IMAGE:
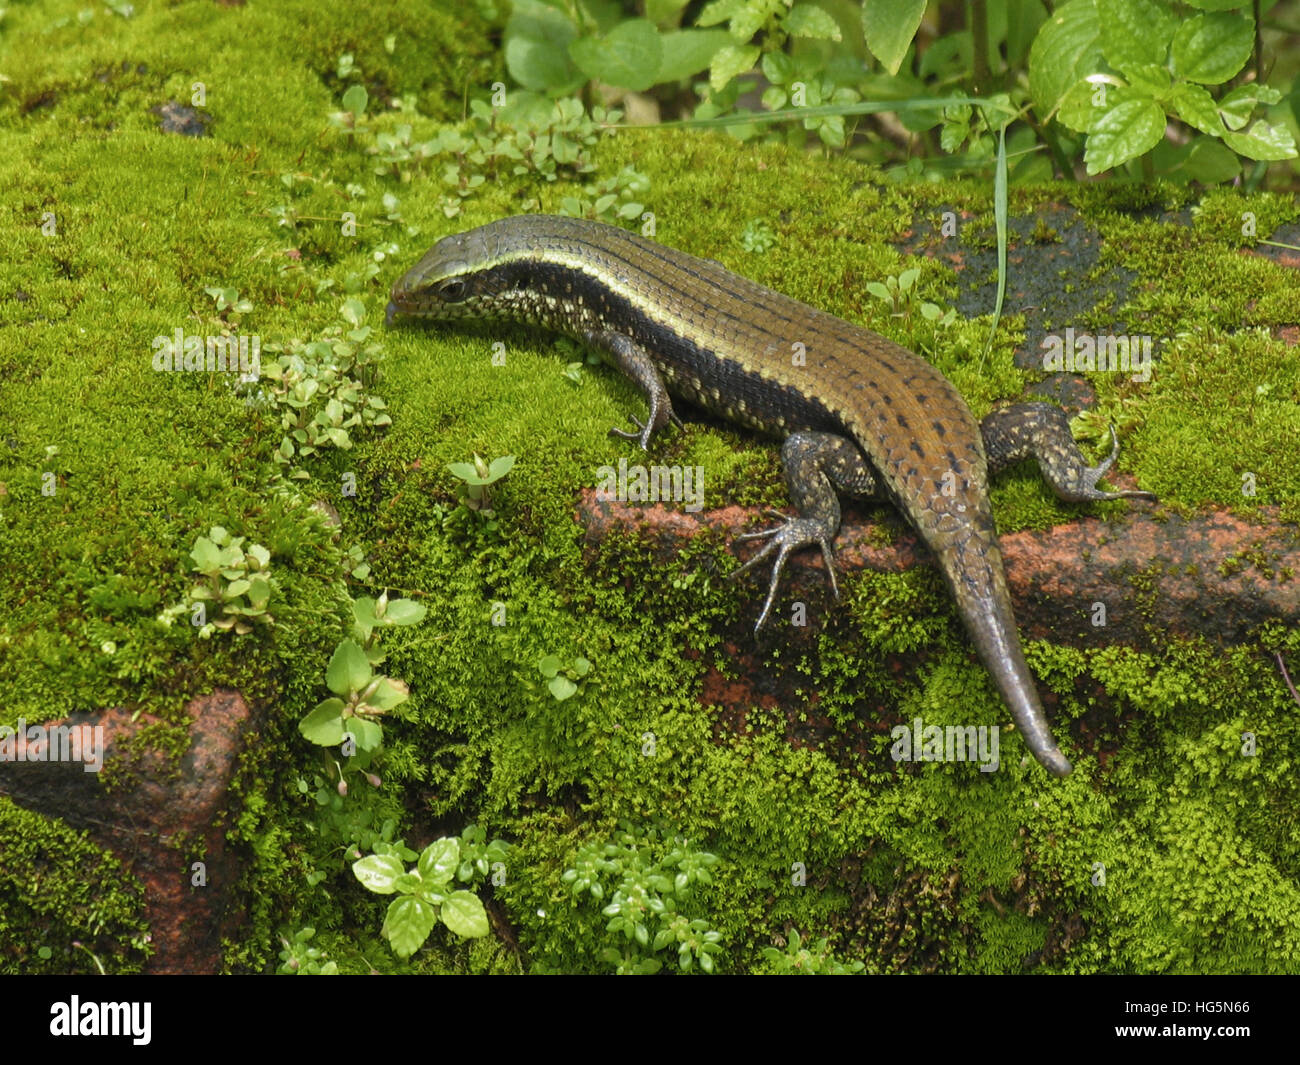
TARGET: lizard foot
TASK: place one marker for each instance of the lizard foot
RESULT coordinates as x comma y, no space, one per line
791,535
1093,474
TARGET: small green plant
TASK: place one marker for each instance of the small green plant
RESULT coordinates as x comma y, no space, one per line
757,236
428,893
562,681
300,958
815,959
900,295
235,578
475,498
650,895
613,199
361,696
228,300
322,390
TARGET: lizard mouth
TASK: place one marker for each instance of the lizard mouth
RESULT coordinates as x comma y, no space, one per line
390,312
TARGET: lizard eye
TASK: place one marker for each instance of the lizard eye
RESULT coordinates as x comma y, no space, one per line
453,290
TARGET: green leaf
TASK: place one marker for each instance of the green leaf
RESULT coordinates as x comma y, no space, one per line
1148,78
561,687
237,588
809,20
1262,141
368,735
1135,31
1195,106
349,670
889,26
404,612
324,725
353,311
355,100
1066,50
260,555
729,62
537,38
464,914
206,556
1126,131
1236,106
408,924
439,860
1213,48
379,872
388,694
549,665
628,57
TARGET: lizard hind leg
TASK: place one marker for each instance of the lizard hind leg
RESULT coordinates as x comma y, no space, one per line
816,466
1043,431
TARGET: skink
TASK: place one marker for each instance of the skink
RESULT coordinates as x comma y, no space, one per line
860,414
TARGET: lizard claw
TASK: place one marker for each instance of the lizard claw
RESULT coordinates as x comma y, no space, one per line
646,429
1093,474
793,534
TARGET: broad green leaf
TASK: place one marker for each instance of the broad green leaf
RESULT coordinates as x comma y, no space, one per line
809,20
363,610
355,100
1135,31
439,860
1089,101
1148,78
549,665
389,693
628,57
349,670
1127,130
408,924
463,913
379,872
889,26
1262,141
500,467
260,555
561,687
368,735
537,38
1236,106
687,52
404,612
206,555
1066,50
729,62
1213,48
353,311
1195,106
324,725
237,588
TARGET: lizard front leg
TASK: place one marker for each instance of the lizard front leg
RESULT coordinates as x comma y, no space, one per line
636,363
1042,430
816,466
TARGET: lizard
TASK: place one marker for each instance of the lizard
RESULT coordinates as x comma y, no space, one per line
860,414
